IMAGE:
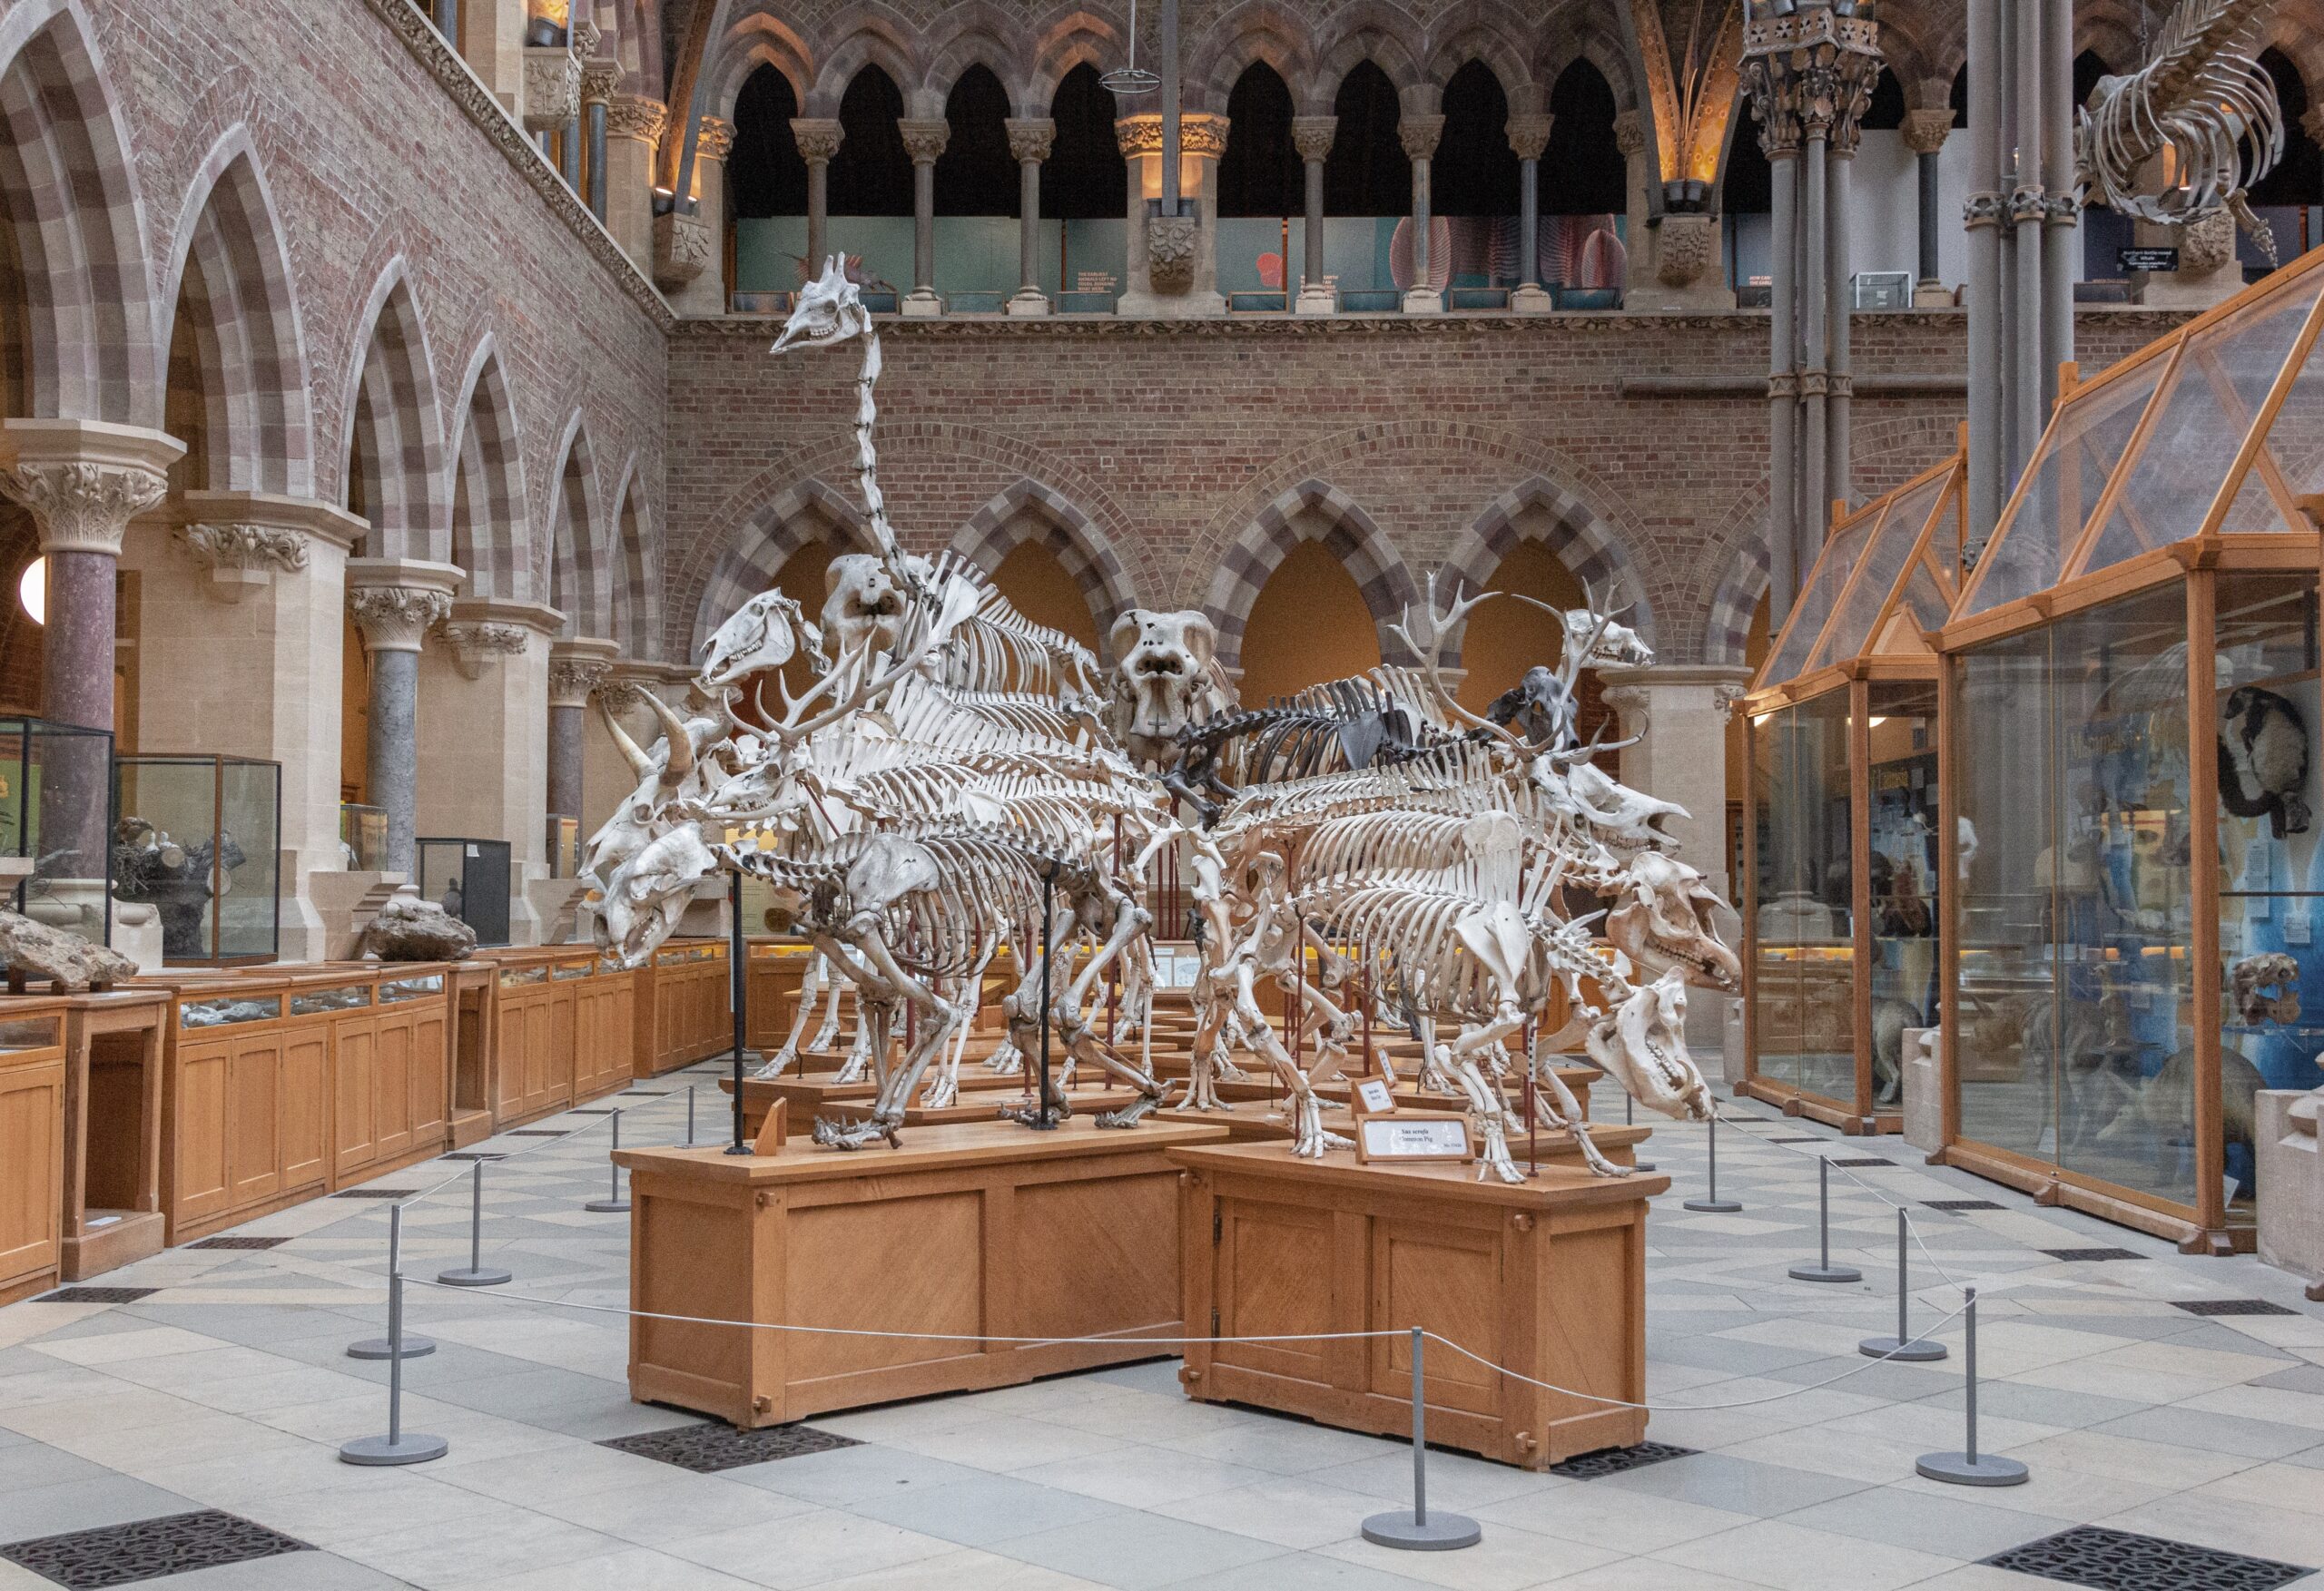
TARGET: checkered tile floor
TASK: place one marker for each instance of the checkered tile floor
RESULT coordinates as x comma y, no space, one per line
225,1391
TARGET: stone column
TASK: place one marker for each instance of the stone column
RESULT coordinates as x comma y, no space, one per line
483,768
1030,138
1924,135
1172,259
819,140
1528,137
1312,136
490,37
599,79
633,127
396,602
242,609
690,251
924,139
1638,237
1419,135
82,481
576,668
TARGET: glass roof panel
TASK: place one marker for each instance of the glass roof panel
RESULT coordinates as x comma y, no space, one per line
2295,440
1884,559
1833,567
2222,381
2089,436
1923,598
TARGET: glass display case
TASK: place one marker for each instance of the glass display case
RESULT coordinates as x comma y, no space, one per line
469,878
2129,688
1840,879
363,837
55,784
200,838
564,847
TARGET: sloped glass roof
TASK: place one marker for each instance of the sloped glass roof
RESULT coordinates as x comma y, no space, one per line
2217,429
1893,557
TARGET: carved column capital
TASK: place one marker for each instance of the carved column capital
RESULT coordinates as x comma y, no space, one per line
1925,131
1529,136
600,81
818,137
629,115
552,87
716,140
1029,137
1313,136
397,601
83,481
1419,134
1629,132
1201,134
924,137
579,667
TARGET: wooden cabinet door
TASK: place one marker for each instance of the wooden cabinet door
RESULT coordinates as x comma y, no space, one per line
355,1126
305,1141
540,1063
197,1125
393,1062
31,1168
431,1076
592,1047
563,1034
508,1053
254,1120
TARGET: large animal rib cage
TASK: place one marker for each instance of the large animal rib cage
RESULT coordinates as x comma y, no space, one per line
2216,430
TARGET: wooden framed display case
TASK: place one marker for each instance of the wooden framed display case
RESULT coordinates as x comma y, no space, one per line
1840,875
685,1010
32,1145
287,1083
1546,1277
2130,799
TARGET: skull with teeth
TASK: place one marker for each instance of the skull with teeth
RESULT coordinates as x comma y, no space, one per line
1667,919
1623,819
1165,679
1641,1044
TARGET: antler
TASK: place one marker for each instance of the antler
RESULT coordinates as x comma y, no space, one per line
868,685
1431,635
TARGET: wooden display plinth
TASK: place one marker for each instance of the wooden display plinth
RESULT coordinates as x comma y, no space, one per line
113,1129
981,1100
1547,1278
967,1230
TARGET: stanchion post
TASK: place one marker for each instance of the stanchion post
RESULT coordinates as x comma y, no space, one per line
1968,1467
1823,1270
396,1345
689,1115
1629,1119
1415,1531
475,1275
613,1204
1710,1204
395,1448
737,996
1904,1345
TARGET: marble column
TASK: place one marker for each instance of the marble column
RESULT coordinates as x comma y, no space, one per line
1638,237
483,766
633,127
1924,135
241,624
1419,135
704,291
82,481
1312,136
576,668
819,138
1030,138
599,79
396,602
1528,137
924,139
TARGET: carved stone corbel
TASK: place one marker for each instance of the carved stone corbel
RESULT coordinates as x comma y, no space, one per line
239,558
552,87
683,246
477,644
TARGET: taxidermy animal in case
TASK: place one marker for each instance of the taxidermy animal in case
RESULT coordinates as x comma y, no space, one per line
2263,759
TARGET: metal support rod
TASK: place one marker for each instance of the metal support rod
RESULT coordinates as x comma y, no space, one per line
1046,1120
1629,1119
1415,1531
1710,1204
1904,1345
395,1448
476,1275
737,996
1824,1270
1170,198
689,1115
1966,1468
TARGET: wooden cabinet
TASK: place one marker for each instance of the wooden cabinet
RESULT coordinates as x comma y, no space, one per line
531,1081
32,1145
684,1009
604,1033
564,1027
777,967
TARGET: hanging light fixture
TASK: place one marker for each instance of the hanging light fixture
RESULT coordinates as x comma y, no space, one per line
1132,79
32,591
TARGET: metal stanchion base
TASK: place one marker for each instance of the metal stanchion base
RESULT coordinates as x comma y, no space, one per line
608,1206
1713,1206
1825,1273
482,1276
1960,1469
414,1346
1919,1350
1438,1533
411,1448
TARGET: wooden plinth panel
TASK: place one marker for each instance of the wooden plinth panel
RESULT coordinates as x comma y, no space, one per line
1547,1278
32,1146
113,1129
968,1230
684,1009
